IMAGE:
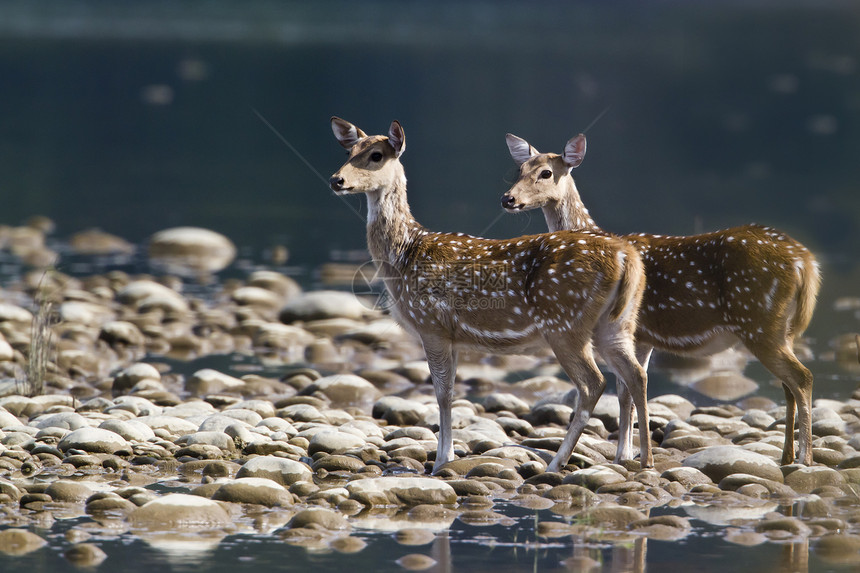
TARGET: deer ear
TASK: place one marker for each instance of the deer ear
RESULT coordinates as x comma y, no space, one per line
397,138
520,149
574,151
346,133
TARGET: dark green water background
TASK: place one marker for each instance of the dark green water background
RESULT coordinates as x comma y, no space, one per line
134,117
715,113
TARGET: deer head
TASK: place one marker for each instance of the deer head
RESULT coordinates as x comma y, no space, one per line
373,164
544,177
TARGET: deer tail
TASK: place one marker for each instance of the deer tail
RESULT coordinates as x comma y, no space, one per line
631,285
810,281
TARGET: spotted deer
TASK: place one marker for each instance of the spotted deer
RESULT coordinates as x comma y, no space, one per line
560,290
704,293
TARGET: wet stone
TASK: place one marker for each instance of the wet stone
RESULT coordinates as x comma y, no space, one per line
533,501
677,404
829,427
334,442
616,517
549,414
721,461
827,456
401,491
765,449
345,390
838,549
68,491
259,491
190,251
431,513
318,517
34,501
348,545
416,562
302,413
758,419
243,415
690,442
399,411
9,490
209,381
466,487
180,511
508,402
718,424
335,463
129,377
414,536
664,527
618,488
211,468
19,542
8,420
130,430
789,525
199,451
486,469
807,479
745,538
735,482
109,503
122,333
83,461
754,490
85,555
570,493
280,470
66,420
417,453
594,478
171,424
321,305
463,466
219,440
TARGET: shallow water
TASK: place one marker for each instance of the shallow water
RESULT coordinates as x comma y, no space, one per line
511,546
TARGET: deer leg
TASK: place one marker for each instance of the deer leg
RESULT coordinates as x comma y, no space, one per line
578,364
621,358
643,354
797,382
625,421
442,361
788,444
625,407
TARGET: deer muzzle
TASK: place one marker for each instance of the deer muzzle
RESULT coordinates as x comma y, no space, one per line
509,202
336,183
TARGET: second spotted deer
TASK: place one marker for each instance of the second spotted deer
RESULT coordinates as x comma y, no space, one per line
561,290
704,293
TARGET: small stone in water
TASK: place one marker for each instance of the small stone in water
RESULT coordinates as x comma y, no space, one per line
85,555
19,542
416,562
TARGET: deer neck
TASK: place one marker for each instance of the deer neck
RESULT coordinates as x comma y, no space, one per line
569,212
390,225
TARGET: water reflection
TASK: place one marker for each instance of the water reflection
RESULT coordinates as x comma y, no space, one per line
457,546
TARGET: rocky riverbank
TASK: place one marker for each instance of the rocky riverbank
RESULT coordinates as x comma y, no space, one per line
341,438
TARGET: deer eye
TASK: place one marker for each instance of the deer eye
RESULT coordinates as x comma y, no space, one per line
376,156
545,174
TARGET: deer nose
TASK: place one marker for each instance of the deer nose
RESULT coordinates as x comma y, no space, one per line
508,201
336,183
